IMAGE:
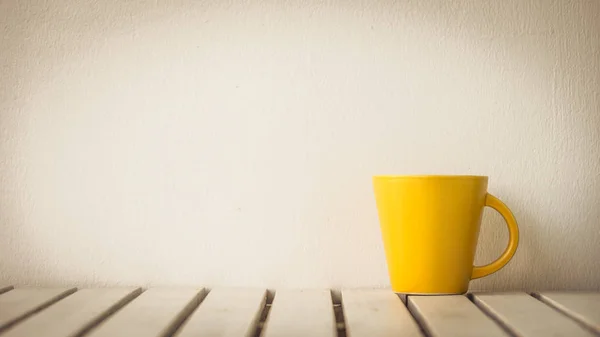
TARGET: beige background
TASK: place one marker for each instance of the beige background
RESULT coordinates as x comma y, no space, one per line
233,143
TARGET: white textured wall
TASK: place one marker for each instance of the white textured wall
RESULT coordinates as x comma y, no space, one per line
233,143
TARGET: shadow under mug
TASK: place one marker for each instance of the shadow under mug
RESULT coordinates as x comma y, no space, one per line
430,225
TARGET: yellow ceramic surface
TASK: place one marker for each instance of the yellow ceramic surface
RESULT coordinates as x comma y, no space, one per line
430,226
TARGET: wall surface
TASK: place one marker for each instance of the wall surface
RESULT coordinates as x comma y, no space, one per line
233,142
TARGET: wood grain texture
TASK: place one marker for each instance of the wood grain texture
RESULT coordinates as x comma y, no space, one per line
377,313
581,306
226,312
452,316
156,312
300,313
522,315
74,314
21,302
4,288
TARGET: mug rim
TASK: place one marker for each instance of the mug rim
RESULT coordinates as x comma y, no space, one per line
429,176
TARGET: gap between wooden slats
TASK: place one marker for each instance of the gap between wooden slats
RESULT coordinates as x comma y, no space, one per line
300,313
525,316
452,316
20,303
75,314
377,313
157,312
226,312
584,307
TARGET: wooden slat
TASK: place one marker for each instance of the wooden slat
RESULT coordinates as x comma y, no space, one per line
452,316
300,313
523,314
581,306
74,314
226,312
377,313
5,288
155,313
21,302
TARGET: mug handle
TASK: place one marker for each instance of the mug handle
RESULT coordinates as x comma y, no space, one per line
513,239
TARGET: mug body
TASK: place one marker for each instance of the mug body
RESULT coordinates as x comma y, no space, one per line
430,226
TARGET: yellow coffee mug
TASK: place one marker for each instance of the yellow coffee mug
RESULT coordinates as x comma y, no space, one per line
430,226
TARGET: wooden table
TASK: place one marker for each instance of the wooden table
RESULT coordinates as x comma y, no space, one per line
186,312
